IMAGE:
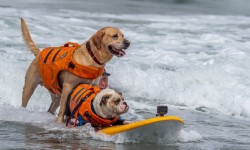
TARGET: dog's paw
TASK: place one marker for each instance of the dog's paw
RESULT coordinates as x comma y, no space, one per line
59,120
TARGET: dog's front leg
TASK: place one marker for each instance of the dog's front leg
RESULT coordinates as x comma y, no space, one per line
54,103
65,92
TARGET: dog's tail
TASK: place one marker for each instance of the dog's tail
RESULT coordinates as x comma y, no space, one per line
27,38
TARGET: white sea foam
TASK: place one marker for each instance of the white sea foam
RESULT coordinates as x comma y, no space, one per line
190,136
10,113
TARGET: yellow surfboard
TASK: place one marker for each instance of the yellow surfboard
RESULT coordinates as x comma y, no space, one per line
157,126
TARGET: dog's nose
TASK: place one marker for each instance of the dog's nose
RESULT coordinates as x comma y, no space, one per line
125,103
126,43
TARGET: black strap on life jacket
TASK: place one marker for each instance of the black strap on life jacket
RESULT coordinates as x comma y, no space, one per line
47,56
67,110
77,107
89,117
54,57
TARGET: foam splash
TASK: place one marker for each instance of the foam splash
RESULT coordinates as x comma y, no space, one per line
189,136
20,114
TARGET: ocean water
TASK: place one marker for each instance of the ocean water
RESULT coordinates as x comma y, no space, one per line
191,55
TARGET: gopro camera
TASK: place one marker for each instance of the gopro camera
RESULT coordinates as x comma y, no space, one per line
162,110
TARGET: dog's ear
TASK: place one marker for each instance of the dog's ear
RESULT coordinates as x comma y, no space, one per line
104,100
97,38
120,93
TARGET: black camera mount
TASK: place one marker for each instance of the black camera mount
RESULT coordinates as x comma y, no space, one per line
162,110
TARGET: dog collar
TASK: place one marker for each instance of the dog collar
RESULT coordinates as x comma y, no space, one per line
92,54
92,108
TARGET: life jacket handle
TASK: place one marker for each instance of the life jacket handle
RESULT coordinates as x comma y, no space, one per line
71,43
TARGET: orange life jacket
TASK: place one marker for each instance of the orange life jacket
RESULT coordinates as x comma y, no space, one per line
52,60
80,101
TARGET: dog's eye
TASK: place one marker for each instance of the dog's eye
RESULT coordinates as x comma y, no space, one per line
107,97
115,36
117,102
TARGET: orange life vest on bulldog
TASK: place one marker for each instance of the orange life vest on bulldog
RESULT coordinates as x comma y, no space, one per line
79,106
53,60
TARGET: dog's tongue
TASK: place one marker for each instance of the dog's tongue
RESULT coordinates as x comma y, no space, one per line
121,53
